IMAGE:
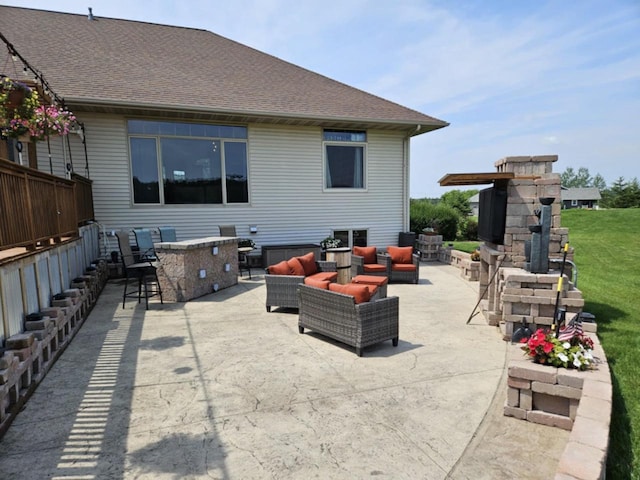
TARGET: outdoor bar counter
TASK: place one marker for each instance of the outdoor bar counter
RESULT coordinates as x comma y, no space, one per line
191,268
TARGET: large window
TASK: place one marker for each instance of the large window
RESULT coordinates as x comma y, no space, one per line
191,160
345,160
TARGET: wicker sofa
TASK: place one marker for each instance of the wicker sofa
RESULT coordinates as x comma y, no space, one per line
337,316
282,290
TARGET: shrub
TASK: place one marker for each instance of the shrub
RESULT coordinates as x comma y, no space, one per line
443,218
468,229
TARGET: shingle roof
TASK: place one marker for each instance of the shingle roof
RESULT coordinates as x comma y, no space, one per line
589,193
110,63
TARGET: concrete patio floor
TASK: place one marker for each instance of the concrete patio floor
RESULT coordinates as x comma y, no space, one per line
219,388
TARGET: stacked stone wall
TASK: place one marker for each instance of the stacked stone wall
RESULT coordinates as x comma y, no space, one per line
29,355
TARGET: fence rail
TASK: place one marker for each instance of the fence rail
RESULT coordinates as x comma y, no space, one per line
37,209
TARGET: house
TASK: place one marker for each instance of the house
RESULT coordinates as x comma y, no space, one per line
186,128
474,203
580,197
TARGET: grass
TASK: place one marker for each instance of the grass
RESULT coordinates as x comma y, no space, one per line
607,254
467,246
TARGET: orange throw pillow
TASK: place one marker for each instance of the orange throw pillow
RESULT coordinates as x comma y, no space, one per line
308,262
400,254
312,282
296,267
369,254
281,268
360,293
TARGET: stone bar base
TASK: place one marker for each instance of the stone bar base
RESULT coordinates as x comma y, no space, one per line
192,268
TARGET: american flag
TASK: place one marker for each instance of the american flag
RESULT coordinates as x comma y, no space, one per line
573,328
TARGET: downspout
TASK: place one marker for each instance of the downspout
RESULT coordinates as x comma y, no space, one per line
406,147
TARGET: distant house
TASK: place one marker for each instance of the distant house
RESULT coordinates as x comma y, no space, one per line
580,197
190,129
474,203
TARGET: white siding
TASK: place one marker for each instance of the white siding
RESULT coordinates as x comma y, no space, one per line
287,201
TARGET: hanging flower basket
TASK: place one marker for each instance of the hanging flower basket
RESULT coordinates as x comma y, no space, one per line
23,111
18,102
50,120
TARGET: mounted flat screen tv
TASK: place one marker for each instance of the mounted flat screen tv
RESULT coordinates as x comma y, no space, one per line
492,215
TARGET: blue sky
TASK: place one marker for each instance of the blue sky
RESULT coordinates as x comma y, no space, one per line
511,77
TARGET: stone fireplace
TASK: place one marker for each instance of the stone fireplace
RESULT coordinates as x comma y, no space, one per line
511,290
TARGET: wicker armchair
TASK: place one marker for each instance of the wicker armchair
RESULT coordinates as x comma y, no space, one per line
382,267
282,290
407,270
337,316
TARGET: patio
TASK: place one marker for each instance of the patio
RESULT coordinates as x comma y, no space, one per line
219,388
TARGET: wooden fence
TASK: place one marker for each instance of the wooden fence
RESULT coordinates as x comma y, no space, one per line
37,209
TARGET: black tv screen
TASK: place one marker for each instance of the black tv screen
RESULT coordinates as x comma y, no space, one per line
492,215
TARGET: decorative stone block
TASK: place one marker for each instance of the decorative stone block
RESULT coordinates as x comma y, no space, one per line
19,341
556,390
550,419
532,371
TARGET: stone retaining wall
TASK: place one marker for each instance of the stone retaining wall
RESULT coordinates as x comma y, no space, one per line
573,400
29,355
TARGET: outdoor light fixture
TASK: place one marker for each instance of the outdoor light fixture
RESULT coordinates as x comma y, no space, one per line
253,228
227,267
214,250
202,273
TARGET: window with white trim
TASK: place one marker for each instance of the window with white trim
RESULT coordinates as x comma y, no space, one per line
344,159
352,238
191,160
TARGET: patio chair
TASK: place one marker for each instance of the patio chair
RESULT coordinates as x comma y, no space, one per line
368,261
167,234
243,261
145,244
145,272
405,265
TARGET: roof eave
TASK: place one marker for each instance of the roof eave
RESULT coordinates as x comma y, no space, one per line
411,127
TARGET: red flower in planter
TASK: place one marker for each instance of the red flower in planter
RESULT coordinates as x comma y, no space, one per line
543,347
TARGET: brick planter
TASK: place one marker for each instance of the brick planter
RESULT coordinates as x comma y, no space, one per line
569,399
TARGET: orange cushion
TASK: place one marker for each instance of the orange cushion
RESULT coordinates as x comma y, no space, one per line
308,262
313,282
403,267
360,293
368,253
400,254
375,268
281,268
295,266
328,276
370,280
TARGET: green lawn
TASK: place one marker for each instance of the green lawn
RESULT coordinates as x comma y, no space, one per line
466,246
607,254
